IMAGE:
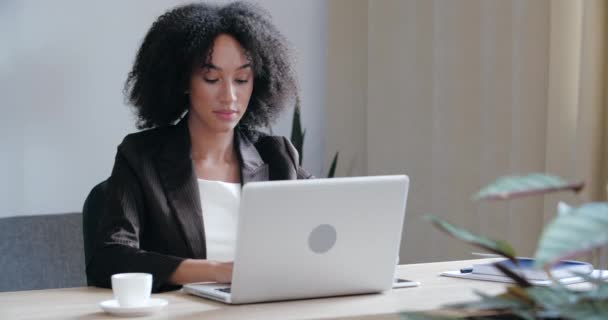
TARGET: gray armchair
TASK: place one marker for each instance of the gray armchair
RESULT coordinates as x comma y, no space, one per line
91,212
41,252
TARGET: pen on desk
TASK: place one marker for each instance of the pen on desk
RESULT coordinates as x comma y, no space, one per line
466,270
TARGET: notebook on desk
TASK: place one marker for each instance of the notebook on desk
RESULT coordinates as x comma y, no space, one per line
564,271
314,238
496,278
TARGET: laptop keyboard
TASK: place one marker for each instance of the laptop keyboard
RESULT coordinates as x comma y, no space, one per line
225,290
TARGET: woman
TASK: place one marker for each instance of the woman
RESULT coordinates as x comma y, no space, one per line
204,79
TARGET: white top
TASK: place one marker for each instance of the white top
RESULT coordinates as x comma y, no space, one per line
220,204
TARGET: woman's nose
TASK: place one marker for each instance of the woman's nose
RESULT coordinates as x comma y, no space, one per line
228,93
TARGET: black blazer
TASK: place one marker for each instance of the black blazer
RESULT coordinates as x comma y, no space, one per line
152,217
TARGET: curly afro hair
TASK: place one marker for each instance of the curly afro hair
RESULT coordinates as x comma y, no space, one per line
183,38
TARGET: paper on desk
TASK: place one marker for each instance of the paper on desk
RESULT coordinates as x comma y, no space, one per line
495,278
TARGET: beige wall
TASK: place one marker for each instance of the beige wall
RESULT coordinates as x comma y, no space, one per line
347,86
576,96
591,98
605,117
459,93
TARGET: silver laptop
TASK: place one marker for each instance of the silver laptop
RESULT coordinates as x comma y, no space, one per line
314,238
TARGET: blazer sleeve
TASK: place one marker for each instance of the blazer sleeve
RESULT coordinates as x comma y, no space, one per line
295,158
117,240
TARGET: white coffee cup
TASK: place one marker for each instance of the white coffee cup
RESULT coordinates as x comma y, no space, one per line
132,289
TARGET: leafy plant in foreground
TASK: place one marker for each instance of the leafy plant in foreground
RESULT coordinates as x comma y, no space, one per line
573,232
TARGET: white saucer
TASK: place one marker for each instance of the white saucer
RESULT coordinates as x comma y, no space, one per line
153,305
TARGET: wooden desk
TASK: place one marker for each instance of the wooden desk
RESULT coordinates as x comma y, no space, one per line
81,303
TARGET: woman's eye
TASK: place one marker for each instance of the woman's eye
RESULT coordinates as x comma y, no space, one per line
242,81
211,80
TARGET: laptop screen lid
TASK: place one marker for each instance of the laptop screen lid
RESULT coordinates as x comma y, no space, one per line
317,238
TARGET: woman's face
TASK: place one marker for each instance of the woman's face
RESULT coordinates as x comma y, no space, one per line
221,88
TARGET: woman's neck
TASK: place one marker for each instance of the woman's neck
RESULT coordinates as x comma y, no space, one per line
209,146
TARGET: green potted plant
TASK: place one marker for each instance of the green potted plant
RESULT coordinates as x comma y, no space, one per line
297,138
573,231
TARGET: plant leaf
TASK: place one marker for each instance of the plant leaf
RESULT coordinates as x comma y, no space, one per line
599,292
297,134
588,278
563,208
332,168
496,246
520,293
584,229
487,302
592,310
301,152
551,298
520,280
519,186
446,314
525,314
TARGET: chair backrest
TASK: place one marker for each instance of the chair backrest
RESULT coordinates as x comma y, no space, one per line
41,252
91,212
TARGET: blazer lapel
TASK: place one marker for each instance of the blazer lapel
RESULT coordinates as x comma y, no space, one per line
253,168
179,181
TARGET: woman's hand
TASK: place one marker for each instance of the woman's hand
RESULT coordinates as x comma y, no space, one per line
196,270
223,271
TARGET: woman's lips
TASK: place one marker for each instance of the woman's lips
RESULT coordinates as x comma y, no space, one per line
226,114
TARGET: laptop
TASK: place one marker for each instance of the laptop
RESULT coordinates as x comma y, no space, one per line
301,239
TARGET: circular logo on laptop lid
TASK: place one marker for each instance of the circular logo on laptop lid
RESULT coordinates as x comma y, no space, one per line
322,238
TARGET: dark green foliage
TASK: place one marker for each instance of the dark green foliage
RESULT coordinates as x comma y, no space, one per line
574,230
297,138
